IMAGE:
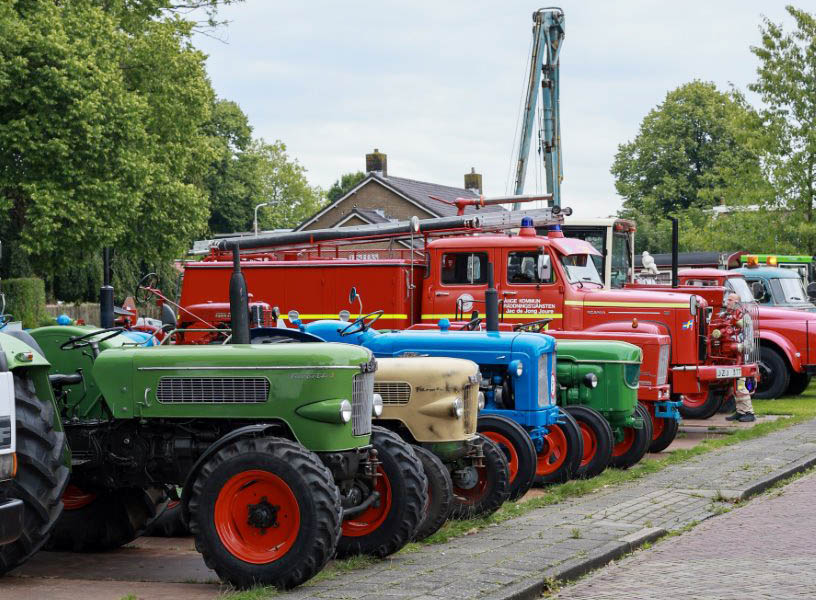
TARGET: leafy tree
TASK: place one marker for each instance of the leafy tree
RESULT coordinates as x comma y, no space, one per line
787,86
342,186
681,158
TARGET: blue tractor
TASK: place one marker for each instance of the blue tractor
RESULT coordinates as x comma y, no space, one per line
543,444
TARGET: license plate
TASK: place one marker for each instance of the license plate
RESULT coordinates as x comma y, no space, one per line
728,372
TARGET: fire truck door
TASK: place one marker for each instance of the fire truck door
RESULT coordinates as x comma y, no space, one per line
528,287
461,285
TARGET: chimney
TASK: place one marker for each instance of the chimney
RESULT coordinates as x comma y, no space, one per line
377,162
473,181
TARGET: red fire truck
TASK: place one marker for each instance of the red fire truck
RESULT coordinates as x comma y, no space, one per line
550,278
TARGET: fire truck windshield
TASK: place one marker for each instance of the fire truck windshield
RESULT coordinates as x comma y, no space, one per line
740,287
581,269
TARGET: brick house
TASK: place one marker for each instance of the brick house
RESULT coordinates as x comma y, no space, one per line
383,198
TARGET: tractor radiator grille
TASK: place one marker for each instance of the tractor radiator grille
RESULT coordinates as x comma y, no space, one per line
393,392
212,390
471,401
362,398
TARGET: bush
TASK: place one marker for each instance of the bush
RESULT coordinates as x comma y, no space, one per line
25,300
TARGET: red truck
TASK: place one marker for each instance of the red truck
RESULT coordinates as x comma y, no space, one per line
549,278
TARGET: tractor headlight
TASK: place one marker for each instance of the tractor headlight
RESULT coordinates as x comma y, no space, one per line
481,401
591,380
377,405
457,408
716,334
516,367
345,411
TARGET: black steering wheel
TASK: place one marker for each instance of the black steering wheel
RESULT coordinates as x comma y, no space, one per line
533,326
472,325
142,294
82,341
360,323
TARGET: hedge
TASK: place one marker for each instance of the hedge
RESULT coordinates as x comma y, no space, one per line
25,300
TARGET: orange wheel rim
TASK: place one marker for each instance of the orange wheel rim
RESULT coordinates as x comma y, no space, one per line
658,425
75,498
374,516
257,516
590,443
695,400
552,457
623,447
509,450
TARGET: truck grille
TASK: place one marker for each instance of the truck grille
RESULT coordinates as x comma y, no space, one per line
393,392
663,364
471,401
212,390
362,398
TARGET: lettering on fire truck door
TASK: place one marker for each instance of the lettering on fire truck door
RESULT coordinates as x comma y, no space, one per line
462,281
526,296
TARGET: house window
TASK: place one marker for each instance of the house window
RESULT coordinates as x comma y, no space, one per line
468,268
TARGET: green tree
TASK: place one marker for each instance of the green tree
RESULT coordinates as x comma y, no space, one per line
681,159
342,186
787,85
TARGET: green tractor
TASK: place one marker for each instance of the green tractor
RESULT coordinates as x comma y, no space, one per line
272,447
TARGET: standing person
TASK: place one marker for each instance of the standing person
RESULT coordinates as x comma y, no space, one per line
742,397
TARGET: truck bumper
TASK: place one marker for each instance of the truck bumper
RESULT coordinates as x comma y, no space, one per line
11,520
688,379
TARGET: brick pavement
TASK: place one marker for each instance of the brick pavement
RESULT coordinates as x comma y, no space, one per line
762,550
516,558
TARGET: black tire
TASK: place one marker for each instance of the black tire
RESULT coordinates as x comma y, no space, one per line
518,450
110,520
492,487
560,459
41,477
637,441
299,480
701,408
170,523
663,434
598,440
798,383
400,469
440,493
774,374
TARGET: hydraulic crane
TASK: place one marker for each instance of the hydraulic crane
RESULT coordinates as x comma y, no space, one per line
548,36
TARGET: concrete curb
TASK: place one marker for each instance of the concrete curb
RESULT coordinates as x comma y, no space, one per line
766,482
532,587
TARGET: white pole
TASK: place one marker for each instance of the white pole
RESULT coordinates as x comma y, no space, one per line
255,220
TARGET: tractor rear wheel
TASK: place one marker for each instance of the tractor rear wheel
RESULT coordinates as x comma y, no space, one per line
392,521
97,521
635,441
517,447
41,474
702,405
265,511
798,383
491,488
561,456
663,430
440,493
598,440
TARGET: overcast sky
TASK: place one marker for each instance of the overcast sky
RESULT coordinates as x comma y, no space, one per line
438,85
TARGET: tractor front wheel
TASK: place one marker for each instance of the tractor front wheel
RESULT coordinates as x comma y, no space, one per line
635,441
98,521
265,511
517,447
561,456
491,487
393,520
440,493
41,475
663,430
598,440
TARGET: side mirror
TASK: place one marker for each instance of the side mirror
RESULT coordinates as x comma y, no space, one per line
352,294
544,267
758,290
811,290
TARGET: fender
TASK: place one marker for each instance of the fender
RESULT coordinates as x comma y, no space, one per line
256,430
772,338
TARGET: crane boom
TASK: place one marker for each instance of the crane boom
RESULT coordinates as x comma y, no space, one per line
548,36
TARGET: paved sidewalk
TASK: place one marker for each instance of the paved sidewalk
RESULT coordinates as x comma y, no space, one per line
511,560
762,550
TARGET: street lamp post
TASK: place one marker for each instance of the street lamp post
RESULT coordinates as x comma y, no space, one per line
255,221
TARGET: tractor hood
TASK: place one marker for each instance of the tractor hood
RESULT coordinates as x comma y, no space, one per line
598,352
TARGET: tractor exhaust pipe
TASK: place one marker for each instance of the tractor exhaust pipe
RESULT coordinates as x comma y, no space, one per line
106,292
239,300
675,247
491,302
